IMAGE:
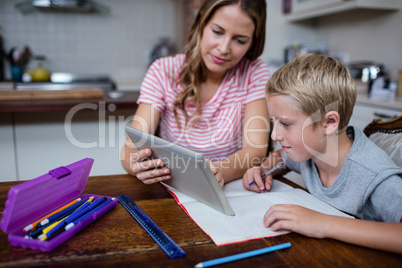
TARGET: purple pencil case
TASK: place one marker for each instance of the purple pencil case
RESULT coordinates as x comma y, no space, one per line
34,199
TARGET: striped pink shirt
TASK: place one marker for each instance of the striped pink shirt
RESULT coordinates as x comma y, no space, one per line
218,133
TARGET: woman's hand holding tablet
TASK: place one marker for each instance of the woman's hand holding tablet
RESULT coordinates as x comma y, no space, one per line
147,169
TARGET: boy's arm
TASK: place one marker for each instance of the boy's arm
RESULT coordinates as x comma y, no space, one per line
377,235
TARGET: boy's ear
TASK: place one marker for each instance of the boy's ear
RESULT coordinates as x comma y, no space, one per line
332,120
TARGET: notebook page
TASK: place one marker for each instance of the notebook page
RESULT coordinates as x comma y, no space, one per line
233,188
250,210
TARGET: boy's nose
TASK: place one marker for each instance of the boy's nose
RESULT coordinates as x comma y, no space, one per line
275,135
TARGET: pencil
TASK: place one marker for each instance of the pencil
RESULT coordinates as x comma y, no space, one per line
242,255
73,216
95,209
48,228
35,224
84,205
268,172
63,212
55,227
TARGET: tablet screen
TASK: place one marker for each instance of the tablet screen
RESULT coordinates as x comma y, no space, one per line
189,170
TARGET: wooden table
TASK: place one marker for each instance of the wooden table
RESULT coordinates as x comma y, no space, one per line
117,240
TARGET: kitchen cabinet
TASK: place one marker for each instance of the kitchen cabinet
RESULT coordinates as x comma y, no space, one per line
34,143
7,154
45,141
307,9
364,113
38,135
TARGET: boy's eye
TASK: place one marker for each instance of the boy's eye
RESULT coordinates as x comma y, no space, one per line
285,124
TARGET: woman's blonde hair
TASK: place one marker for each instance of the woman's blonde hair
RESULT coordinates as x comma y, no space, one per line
319,84
194,70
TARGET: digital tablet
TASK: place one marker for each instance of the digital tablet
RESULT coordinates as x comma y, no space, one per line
190,172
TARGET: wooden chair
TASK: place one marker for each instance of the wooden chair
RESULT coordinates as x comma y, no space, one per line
388,136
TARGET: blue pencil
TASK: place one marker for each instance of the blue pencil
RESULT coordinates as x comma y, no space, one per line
62,213
78,213
242,255
75,215
87,203
268,172
71,224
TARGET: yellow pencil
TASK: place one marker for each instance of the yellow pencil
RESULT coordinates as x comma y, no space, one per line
35,224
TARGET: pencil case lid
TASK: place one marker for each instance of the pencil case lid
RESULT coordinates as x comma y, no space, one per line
32,199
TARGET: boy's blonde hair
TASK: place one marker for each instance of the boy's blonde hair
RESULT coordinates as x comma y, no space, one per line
319,84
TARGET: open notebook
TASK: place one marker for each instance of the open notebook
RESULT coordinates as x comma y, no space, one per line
249,207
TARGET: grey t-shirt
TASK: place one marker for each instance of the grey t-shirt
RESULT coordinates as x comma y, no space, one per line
369,185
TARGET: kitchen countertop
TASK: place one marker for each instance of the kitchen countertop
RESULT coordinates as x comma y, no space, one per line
128,85
122,100
393,103
128,99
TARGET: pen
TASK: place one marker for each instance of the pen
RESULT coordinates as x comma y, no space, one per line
269,172
242,255
71,224
48,228
73,216
76,214
35,224
38,232
54,218
64,212
88,201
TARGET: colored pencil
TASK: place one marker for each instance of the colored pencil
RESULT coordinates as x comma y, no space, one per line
242,255
35,223
269,172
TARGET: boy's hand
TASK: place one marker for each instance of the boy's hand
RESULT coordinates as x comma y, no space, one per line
296,219
254,175
146,170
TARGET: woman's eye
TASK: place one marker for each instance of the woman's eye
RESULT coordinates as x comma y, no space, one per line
241,42
216,32
285,124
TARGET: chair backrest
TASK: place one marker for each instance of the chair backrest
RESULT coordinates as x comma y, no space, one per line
388,136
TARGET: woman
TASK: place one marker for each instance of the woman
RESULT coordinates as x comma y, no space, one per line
210,99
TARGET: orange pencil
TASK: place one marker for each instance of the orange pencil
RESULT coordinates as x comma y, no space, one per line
35,224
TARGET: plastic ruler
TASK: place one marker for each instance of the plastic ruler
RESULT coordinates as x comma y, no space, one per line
160,237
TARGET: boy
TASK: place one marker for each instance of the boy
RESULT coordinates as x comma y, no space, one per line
311,100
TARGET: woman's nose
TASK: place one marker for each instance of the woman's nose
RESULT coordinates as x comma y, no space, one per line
224,46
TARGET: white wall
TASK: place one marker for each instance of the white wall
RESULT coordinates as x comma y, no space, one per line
118,43
366,35
374,35
280,33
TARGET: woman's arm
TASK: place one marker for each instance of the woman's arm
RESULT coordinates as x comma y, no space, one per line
255,142
146,119
378,235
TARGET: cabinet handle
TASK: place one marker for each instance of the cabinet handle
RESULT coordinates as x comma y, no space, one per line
385,116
